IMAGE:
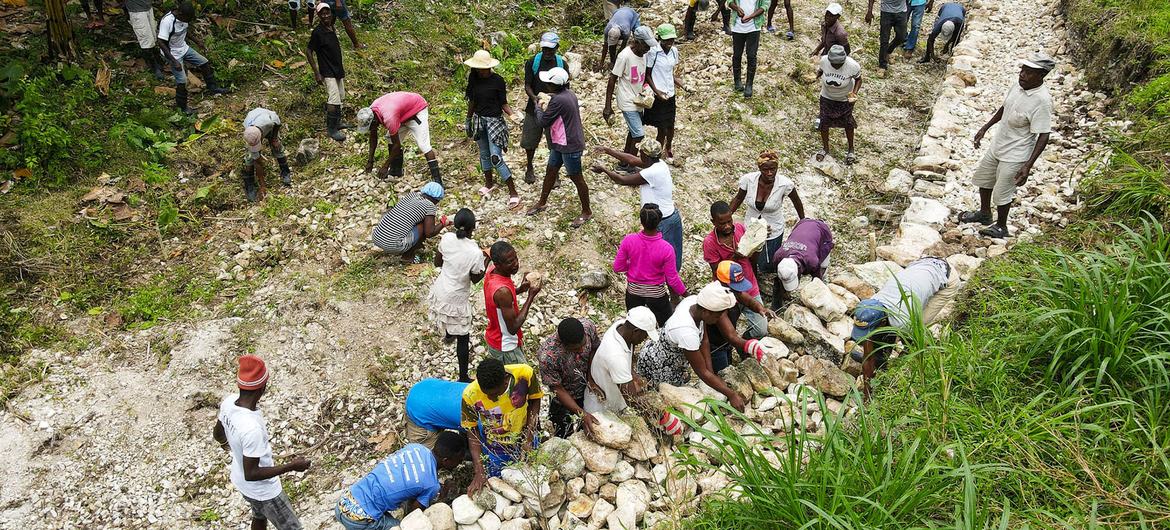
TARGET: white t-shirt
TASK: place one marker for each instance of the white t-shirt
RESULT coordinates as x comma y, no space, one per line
748,7
248,437
611,367
837,83
661,67
631,73
174,31
1026,115
773,212
681,329
659,187
461,258
262,119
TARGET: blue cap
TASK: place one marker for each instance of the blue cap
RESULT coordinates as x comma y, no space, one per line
433,190
866,317
730,273
549,40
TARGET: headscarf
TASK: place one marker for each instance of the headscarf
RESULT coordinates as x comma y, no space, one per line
768,157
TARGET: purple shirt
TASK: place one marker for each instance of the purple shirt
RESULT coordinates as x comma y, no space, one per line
808,245
562,118
648,260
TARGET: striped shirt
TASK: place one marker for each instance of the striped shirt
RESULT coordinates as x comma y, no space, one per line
411,473
395,232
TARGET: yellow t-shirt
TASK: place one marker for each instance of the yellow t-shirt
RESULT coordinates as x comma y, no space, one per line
502,419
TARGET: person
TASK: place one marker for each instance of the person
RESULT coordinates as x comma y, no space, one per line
504,336
684,344
613,381
324,57
501,413
805,252
894,14
661,61
172,45
722,245
1025,124
141,16
916,8
531,131
655,186
433,406
487,103
693,8
395,111
768,191
745,40
791,33
411,221
649,264
561,117
628,76
407,479
564,359
461,263
240,429
840,77
832,32
262,124
95,15
877,319
618,30
730,274
341,12
949,26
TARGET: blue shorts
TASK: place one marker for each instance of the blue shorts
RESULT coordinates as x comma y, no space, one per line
342,14
192,58
634,122
571,161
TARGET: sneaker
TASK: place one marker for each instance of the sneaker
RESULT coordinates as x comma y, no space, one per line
975,217
790,35
994,232
771,29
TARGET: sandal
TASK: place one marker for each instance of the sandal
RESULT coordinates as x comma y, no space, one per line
536,210
975,217
513,202
790,35
485,191
850,158
821,154
581,220
994,232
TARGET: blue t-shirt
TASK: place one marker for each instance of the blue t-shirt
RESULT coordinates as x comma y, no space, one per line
625,18
409,473
949,11
435,404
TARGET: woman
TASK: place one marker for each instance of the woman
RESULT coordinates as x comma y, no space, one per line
461,264
768,191
661,61
411,220
649,264
487,102
655,185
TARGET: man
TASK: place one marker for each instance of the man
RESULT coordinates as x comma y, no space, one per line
172,44
341,12
432,406
628,76
561,116
791,34
407,479
805,252
240,428
1026,116
730,274
141,15
410,222
899,302
501,412
949,26
917,8
395,111
546,59
324,55
722,245
832,32
894,14
564,367
503,335
262,124
840,82
745,39
617,33
693,7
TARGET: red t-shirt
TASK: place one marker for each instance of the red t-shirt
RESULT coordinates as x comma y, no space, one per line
497,335
714,252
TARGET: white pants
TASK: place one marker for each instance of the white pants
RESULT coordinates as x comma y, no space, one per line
420,130
145,28
335,89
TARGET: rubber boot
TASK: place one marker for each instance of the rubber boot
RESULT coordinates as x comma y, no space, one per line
154,63
735,72
285,172
689,25
433,165
751,76
209,78
251,190
181,99
292,18
396,166
726,21
332,119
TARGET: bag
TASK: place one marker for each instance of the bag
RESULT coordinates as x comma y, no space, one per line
536,62
645,98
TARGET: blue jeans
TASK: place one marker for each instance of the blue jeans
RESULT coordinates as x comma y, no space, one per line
490,155
571,161
757,324
916,13
634,122
192,58
764,258
498,459
385,523
672,232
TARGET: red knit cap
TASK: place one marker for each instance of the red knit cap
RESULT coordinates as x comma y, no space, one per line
253,374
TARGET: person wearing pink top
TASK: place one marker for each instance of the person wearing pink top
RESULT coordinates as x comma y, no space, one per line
395,111
648,261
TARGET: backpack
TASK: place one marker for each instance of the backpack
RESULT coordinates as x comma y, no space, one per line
539,56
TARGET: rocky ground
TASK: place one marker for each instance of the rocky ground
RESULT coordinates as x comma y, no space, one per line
118,436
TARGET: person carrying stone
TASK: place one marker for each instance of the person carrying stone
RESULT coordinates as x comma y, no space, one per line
832,32
532,131
618,31
504,336
141,16
949,26
722,245
894,15
262,125
240,429
433,406
805,252
411,221
487,103
840,77
767,190
395,111
626,79
461,263
564,359
173,31
341,12
501,414
1025,120
730,274
561,117
649,264
652,176
407,479
661,62
745,39
324,57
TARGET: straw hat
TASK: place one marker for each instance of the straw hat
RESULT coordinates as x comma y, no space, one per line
482,59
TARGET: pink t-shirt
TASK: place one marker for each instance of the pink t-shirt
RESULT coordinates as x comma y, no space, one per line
648,260
396,107
714,252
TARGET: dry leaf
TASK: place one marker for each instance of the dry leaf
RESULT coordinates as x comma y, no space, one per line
386,442
277,63
113,320
22,173
102,80
164,90
6,186
9,138
232,63
123,212
15,3
298,64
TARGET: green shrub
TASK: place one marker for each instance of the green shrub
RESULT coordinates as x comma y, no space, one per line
56,114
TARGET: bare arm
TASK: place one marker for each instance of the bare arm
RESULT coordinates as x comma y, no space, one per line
738,200
373,145
531,423
480,476
608,110
312,59
253,471
627,179
700,361
983,130
513,319
796,203
219,435
622,156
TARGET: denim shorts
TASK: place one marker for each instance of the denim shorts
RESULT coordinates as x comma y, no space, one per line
571,161
634,122
339,14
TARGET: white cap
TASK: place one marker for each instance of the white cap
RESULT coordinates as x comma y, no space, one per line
789,274
947,29
252,136
643,318
834,9
365,117
556,76
715,297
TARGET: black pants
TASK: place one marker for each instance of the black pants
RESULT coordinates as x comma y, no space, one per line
563,421
897,22
661,306
740,43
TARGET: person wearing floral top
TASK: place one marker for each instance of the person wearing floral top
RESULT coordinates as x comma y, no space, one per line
564,364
